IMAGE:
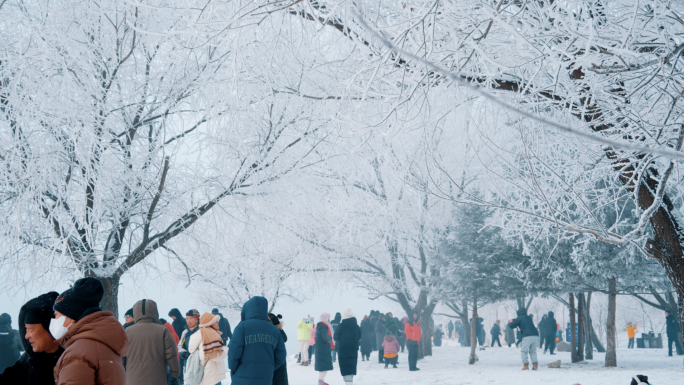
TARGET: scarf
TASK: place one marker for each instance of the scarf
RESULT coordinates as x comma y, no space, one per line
325,318
212,344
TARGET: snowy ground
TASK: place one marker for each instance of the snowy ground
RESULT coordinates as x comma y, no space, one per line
449,365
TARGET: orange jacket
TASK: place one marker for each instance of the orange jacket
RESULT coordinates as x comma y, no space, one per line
631,330
413,333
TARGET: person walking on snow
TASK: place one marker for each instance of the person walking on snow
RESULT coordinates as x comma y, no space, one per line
257,348
496,332
212,351
366,338
280,374
631,331
480,331
450,328
672,330
530,338
438,336
151,348
549,333
10,343
324,344
413,334
335,323
510,335
303,329
192,322
391,348
93,340
380,336
347,336
36,366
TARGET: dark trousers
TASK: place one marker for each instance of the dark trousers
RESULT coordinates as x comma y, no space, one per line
541,340
450,333
402,343
412,347
181,378
496,339
375,344
518,341
391,361
311,349
481,338
674,341
550,343
381,353
630,345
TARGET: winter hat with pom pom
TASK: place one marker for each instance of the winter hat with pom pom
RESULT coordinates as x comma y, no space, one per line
85,294
347,313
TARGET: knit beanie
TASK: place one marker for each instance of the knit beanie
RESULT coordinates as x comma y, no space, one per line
38,310
275,319
85,294
347,313
5,319
129,313
214,311
193,313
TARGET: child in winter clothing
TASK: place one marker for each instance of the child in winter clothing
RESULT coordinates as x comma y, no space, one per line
391,348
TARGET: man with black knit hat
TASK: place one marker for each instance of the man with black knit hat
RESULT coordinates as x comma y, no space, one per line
128,317
224,326
93,339
192,320
10,344
36,366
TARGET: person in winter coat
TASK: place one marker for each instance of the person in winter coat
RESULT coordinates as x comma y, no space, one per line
380,336
224,326
312,340
672,330
530,338
401,335
280,374
374,316
347,336
257,348
458,328
450,328
391,348
171,330
303,336
36,366
323,345
93,340
542,326
366,338
390,325
631,332
128,317
479,331
496,332
10,343
151,348
438,336
549,332
413,334
212,351
510,334
335,323
178,321
192,326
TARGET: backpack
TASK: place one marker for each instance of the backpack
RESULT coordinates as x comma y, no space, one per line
194,371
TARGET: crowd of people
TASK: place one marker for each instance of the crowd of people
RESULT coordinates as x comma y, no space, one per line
68,339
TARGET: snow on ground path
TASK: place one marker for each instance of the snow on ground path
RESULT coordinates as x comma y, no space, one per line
449,365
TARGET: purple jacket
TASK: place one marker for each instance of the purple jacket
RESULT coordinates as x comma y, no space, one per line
391,345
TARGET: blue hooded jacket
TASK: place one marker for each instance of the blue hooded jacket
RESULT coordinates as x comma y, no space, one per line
257,348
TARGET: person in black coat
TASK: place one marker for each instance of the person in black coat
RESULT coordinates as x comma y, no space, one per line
374,316
36,366
367,338
496,332
530,339
347,337
401,336
280,374
380,337
673,330
179,324
549,332
438,336
324,343
479,331
335,323
450,328
10,343
541,326
224,326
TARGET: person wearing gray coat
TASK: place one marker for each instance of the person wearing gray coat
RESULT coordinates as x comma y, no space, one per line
380,337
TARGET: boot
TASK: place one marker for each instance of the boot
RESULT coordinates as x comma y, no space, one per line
386,365
394,366
299,359
535,366
526,367
305,363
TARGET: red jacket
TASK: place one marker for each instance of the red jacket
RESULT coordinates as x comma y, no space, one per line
173,334
414,332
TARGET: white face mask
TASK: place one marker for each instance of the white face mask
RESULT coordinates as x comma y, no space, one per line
57,328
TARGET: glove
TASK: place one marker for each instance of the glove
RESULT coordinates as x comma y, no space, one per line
175,381
184,355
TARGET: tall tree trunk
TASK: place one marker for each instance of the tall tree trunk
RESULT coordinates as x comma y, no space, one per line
426,336
589,354
611,355
580,327
473,338
573,334
110,301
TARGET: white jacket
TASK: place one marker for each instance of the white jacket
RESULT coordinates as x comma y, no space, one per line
214,370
